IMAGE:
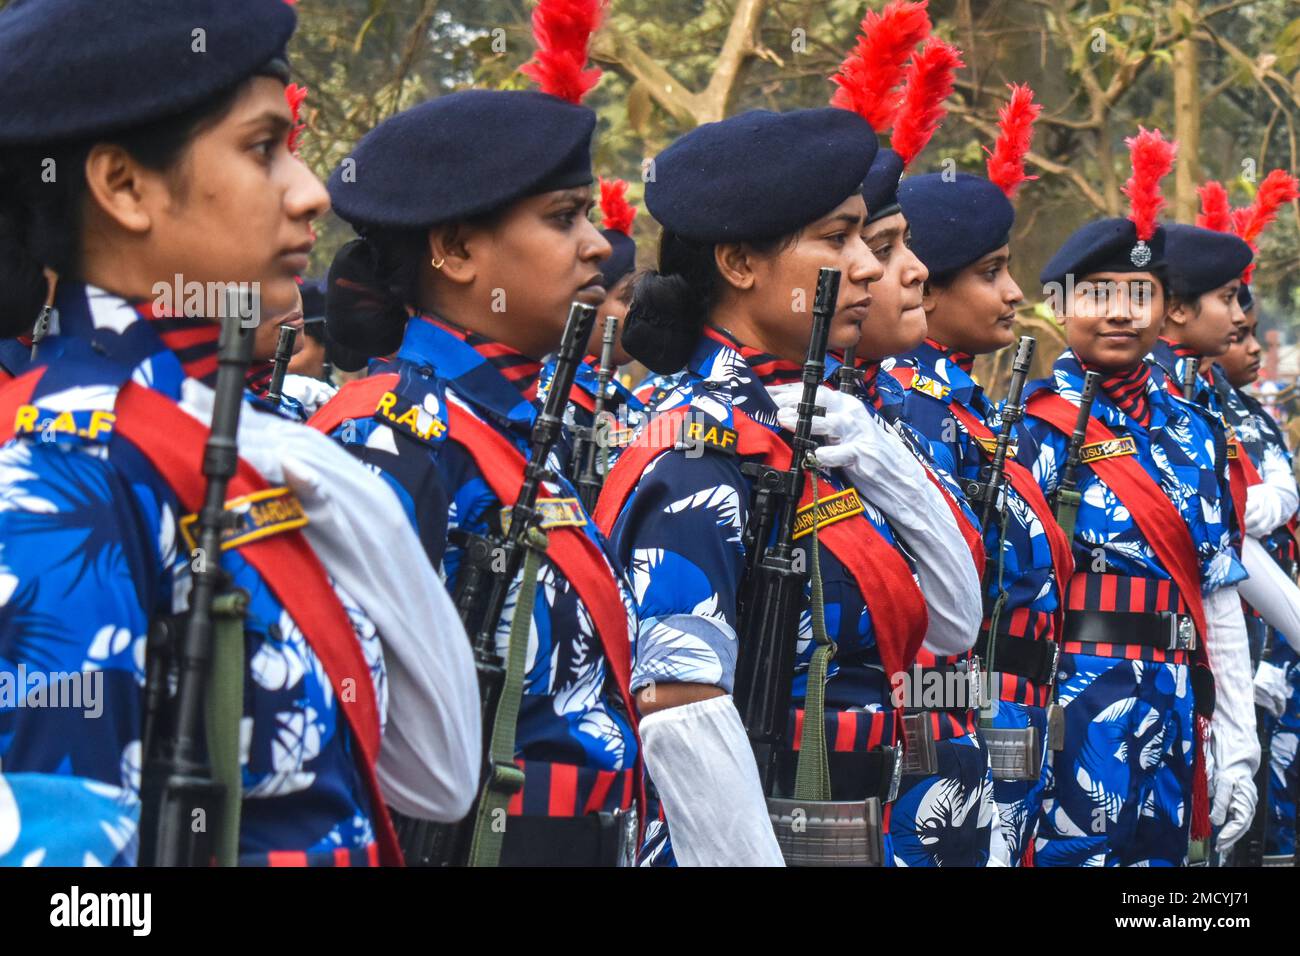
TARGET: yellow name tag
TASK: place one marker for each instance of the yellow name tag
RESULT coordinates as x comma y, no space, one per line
409,420
990,446
1234,449
841,505
710,435
555,513
1112,448
928,386
95,425
256,516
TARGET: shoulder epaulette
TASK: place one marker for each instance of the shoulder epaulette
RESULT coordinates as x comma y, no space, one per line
415,406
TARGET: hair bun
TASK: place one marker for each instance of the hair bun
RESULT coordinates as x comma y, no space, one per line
663,323
364,313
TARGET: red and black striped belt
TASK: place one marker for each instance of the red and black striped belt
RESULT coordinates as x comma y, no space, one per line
1022,646
1113,609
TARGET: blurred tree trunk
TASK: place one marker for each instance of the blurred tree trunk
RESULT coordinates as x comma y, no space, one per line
1187,112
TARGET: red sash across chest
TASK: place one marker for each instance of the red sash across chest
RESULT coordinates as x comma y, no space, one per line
577,556
883,577
173,442
1027,488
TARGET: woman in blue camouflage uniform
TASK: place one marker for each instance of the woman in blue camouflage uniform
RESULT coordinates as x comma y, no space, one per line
1152,609
960,230
720,305
99,467
1270,516
466,268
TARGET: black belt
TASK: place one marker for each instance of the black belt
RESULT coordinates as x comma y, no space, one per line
1162,629
916,674
591,840
1025,657
854,776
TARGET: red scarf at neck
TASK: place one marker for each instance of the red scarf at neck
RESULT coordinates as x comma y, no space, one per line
517,368
963,360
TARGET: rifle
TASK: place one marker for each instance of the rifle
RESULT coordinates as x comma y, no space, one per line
183,782
488,568
41,328
1067,500
847,375
991,494
773,583
283,355
1190,371
589,449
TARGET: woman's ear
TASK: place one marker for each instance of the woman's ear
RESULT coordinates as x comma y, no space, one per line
735,262
1178,312
929,298
120,188
450,254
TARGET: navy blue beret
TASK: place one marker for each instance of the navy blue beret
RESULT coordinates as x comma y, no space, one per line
955,220
880,188
74,69
621,261
759,175
1245,298
1105,245
1202,259
463,155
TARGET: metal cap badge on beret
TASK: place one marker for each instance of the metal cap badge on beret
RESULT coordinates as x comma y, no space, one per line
955,220
759,175
80,68
462,155
1200,260
1105,245
1133,244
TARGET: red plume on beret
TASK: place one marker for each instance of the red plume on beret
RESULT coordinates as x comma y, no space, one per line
1215,212
296,95
929,81
1278,187
1006,164
869,77
563,30
618,213
1152,157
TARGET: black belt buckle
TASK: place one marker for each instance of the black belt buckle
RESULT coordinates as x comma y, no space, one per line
1182,631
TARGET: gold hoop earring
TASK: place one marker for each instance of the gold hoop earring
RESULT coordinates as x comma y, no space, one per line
438,262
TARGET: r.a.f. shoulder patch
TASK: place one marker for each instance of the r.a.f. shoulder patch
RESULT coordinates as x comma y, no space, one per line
928,386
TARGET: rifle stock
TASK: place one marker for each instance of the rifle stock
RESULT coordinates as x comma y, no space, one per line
1067,499
773,588
487,572
178,780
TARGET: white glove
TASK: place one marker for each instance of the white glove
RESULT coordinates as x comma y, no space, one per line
310,392
1234,807
886,472
1272,690
1234,742
703,767
1270,592
1271,503
429,759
